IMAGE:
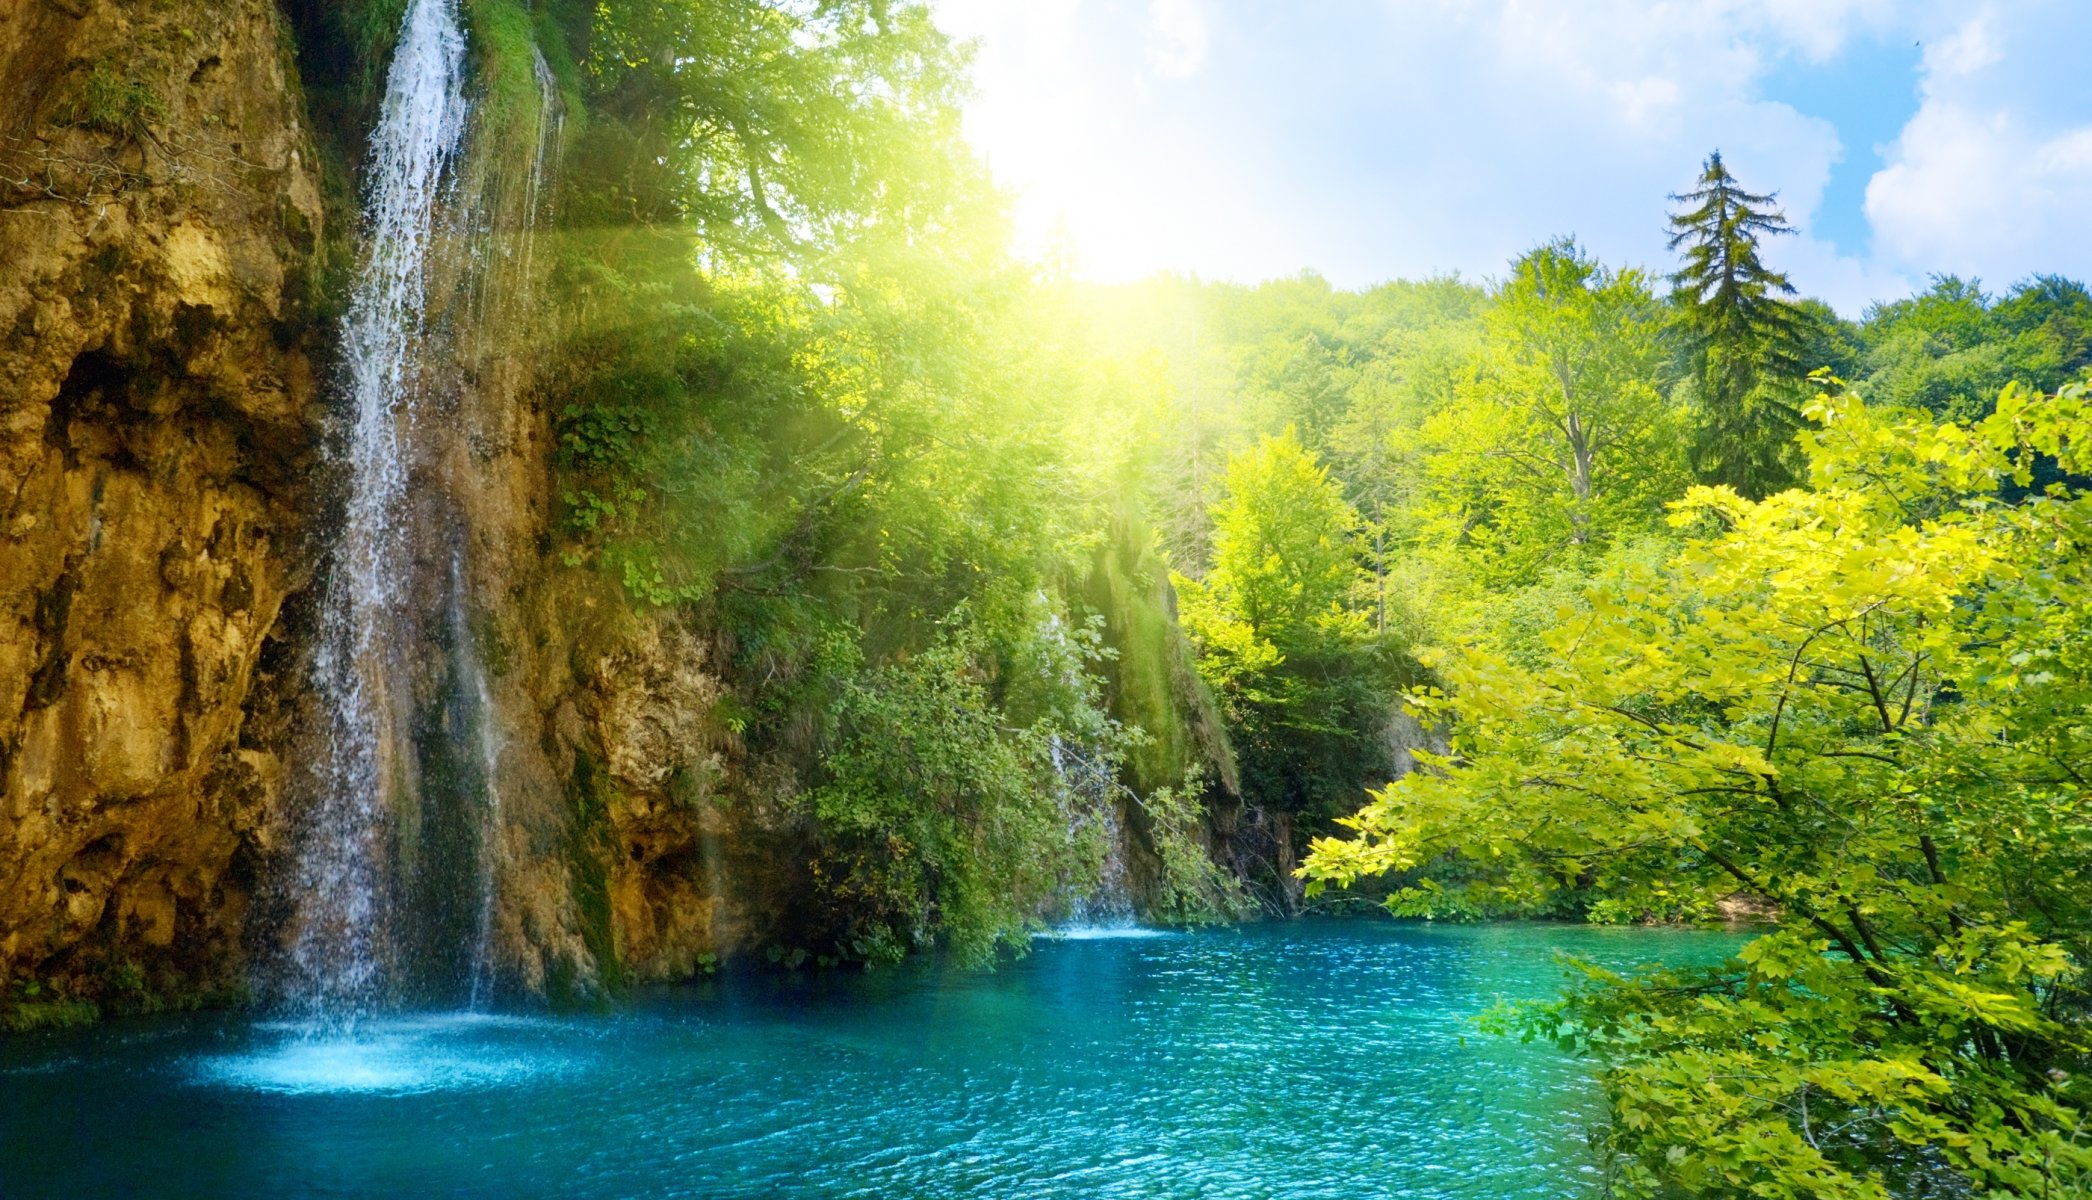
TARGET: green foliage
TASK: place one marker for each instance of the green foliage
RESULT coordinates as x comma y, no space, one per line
28,1006
767,126
1282,637
1191,889
505,36
1151,683
939,821
1746,338
1951,348
1731,297
1283,564
1864,703
1561,441
108,101
664,438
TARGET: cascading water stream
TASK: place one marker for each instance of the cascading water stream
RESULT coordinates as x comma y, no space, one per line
1095,791
552,122
473,684
1090,793
339,949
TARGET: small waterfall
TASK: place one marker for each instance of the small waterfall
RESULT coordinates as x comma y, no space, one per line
1093,804
472,688
1090,793
544,163
341,945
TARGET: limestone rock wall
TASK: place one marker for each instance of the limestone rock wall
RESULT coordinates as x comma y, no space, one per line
160,215
163,515
691,850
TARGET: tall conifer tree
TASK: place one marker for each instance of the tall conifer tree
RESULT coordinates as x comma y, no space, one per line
1746,337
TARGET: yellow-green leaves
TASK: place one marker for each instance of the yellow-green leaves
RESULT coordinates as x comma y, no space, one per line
1868,705
1563,440
1281,626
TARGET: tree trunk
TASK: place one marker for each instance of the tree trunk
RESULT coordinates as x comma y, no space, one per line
1579,480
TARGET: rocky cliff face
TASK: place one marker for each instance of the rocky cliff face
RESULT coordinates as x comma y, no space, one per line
164,520
159,425
165,497
662,792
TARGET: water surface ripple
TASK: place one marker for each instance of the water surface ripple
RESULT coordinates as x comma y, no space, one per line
1310,1059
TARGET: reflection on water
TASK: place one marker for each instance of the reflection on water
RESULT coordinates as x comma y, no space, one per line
1310,1059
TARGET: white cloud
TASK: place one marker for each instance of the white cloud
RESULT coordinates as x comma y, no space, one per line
1177,37
2068,153
1817,29
1847,282
1412,136
1627,96
1966,51
1992,177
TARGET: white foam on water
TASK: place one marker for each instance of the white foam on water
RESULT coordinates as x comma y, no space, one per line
403,1056
1100,933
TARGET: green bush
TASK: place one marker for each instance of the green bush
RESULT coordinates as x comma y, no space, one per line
108,101
31,1006
940,821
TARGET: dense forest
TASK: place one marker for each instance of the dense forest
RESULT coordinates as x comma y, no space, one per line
1669,614
1597,591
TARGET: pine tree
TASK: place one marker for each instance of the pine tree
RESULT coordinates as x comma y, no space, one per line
1746,336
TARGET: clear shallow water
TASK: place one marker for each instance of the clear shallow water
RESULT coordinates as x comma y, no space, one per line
1310,1059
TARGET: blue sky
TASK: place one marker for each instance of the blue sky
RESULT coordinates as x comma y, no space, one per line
1372,139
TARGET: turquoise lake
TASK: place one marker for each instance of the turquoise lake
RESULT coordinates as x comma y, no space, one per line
1316,1058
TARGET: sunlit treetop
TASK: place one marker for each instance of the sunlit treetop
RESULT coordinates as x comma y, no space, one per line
1730,295
778,129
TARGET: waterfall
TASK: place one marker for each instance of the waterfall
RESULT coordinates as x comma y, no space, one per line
1093,791
487,740
341,944
552,122
1090,793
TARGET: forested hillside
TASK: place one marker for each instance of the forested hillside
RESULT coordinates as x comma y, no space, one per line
783,568
1685,624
